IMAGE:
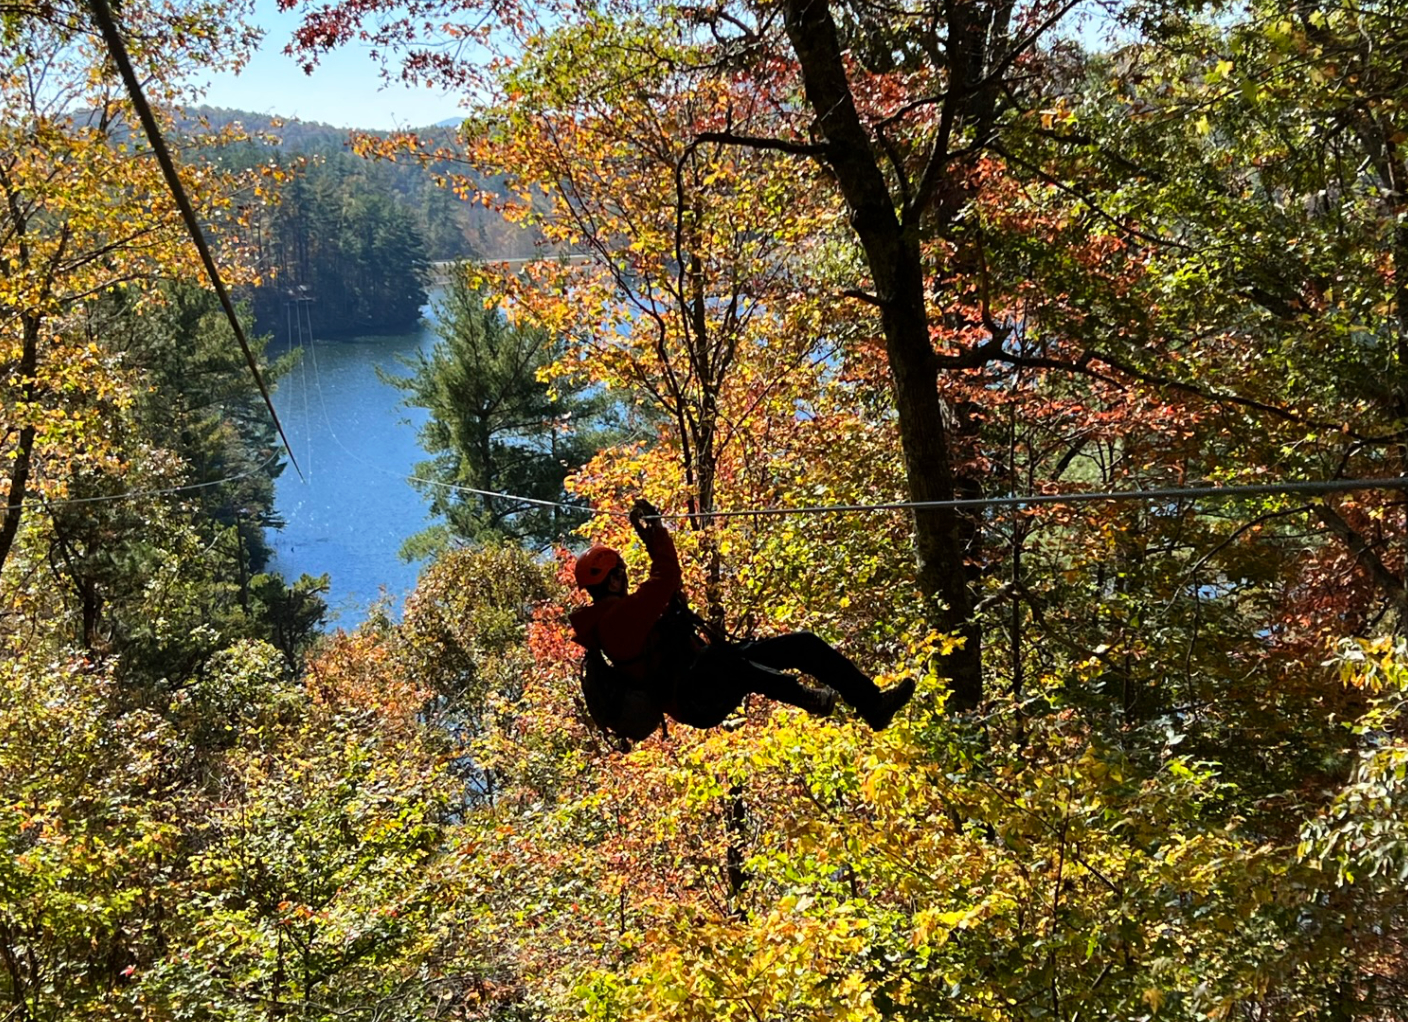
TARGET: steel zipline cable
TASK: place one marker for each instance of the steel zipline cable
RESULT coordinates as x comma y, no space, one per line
117,49
1086,497
161,491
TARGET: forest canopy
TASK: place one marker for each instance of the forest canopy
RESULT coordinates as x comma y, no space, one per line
825,254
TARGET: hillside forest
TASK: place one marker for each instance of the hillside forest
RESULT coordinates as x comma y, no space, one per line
829,253
347,247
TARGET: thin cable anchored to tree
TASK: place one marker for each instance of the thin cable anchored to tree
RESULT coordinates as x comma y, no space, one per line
537,502
1166,493
162,491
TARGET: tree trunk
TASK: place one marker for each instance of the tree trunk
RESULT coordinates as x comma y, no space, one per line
24,449
893,254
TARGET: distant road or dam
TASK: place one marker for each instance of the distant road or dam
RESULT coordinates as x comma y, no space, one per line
440,271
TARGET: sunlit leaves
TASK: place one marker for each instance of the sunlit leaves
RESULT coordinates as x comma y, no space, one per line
85,825
315,872
85,213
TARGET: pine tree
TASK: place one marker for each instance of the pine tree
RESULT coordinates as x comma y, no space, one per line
495,426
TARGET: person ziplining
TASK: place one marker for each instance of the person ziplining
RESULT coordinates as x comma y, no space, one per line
650,657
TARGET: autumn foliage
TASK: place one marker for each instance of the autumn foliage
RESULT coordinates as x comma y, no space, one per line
1174,787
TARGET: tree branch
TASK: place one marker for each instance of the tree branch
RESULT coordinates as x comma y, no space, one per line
991,351
1361,549
1211,395
779,145
976,357
1103,214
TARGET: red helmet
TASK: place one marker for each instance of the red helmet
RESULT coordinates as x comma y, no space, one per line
594,565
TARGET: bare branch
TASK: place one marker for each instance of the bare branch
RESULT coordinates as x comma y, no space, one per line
780,145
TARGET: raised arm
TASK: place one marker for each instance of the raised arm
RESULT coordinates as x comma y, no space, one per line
653,595
628,621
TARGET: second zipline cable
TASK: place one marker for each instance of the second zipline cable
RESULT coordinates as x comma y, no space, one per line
1167,493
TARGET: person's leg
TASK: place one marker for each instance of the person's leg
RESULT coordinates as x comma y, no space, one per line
810,654
721,676
784,688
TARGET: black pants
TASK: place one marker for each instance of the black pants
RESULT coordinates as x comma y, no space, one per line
714,685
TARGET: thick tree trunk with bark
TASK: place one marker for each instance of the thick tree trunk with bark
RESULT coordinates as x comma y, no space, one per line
893,254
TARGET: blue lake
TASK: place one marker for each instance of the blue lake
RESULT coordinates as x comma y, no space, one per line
356,444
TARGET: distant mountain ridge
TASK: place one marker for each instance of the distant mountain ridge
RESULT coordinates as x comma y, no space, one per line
454,228
293,131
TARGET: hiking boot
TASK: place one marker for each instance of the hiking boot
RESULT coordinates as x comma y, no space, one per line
891,701
819,702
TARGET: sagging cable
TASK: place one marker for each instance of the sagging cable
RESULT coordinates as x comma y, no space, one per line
117,49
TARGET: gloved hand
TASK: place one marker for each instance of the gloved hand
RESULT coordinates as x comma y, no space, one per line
644,517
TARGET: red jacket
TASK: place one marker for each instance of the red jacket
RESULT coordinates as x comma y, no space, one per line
624,627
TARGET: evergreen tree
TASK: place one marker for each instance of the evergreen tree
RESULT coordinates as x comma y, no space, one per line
166,578
343,240
495,426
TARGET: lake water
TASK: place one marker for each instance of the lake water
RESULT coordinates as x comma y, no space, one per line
356,444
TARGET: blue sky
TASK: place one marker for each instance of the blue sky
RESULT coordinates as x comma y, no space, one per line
345,91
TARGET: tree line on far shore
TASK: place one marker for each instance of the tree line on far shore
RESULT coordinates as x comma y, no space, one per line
348,244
